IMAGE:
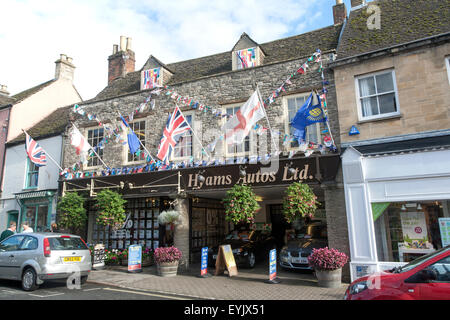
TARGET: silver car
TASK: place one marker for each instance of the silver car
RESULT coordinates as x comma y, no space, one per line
35,257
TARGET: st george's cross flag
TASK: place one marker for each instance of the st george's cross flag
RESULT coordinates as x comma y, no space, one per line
238,127
79,141
35,152
174,129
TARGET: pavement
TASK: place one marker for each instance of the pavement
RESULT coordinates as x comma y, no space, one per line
249,284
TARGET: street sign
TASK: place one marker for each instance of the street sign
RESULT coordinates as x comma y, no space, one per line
273,267
135,258
204,265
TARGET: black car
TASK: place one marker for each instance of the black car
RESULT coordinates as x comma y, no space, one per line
248,247
295,254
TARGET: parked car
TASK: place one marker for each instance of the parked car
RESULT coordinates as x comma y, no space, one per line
35,257
248,247
295,254
425,278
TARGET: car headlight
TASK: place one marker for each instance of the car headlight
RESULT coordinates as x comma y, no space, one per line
358,287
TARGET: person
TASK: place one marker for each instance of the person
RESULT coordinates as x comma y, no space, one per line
8,232
26,228
54,228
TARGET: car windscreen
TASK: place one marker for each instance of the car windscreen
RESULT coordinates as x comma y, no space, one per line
312,231
67,243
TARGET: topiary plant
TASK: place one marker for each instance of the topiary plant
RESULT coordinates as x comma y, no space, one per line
71,211
111,211
240,204
299,201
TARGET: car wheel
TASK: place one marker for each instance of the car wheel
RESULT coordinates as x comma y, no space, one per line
29,278
251,260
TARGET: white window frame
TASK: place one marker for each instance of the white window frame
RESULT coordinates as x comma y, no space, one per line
358,97
177,159
126,149
287,129
252,142
85,133
447,63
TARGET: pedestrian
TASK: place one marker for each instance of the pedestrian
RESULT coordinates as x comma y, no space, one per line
54,227
26,228
8,232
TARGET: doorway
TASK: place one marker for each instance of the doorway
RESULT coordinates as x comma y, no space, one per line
279,224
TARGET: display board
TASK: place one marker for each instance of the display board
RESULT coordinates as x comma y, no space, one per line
444,227
225,259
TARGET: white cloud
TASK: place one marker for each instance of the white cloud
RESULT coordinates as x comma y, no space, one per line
34,33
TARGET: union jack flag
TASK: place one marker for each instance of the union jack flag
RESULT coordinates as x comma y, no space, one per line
35,152
174,129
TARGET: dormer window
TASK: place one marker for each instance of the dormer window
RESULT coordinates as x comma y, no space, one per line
246,58
154,74
150,78
246,53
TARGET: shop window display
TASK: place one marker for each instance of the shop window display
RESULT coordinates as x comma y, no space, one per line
407,230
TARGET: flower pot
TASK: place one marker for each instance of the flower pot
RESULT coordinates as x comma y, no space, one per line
329,278
167,269
147,262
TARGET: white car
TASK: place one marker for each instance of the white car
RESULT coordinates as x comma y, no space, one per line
35,257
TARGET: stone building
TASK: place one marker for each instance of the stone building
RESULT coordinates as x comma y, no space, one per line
208,91
392,82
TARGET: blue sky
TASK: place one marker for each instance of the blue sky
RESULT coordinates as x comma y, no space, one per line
34,33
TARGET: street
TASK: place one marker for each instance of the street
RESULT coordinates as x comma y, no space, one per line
58,290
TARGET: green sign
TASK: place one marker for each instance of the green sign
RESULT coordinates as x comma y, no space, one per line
378,209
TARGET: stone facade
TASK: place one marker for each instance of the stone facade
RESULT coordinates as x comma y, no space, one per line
417,72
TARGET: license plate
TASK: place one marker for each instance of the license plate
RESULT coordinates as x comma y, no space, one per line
300,260
72,259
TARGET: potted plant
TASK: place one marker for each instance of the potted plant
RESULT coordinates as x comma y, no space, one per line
299,201
111,257
111,211
327,264
167,259
123,257
147,257
72,214
240,204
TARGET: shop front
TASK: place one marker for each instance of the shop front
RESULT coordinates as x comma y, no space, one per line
37,209
398,206
197,193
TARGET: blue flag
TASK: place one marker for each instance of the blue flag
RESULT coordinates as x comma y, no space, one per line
311,112
133,140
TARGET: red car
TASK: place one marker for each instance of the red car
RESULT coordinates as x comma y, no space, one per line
426,278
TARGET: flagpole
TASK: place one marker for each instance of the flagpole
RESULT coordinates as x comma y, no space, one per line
268,122
140,142
92,148
193,132
49,156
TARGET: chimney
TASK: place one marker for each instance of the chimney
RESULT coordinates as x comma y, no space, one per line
122,60
64,68
339,12
357,3
3,90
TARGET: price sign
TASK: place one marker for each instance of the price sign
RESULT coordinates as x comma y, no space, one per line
272,264
135,258
204,265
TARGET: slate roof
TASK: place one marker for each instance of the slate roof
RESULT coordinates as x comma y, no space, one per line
290,48
402,21
24,94
52,125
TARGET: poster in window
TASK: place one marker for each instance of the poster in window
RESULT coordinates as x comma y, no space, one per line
444,226
142,224
142,216
156,234
114,244
149,223
127,243
155,244
148,234
141,234
120,244
414,228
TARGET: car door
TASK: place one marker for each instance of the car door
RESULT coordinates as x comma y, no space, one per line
9,249
439,288
27,250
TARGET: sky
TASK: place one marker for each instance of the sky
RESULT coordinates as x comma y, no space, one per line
34,33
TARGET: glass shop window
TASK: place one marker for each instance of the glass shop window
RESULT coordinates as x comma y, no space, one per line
405,231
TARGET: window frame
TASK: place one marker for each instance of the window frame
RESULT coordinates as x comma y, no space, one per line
29,166
447,64
192,125
126,149
252,143
99,151
287,127
362,118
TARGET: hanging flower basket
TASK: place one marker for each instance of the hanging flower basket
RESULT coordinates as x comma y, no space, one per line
299,201
111,211
168,217
240,204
